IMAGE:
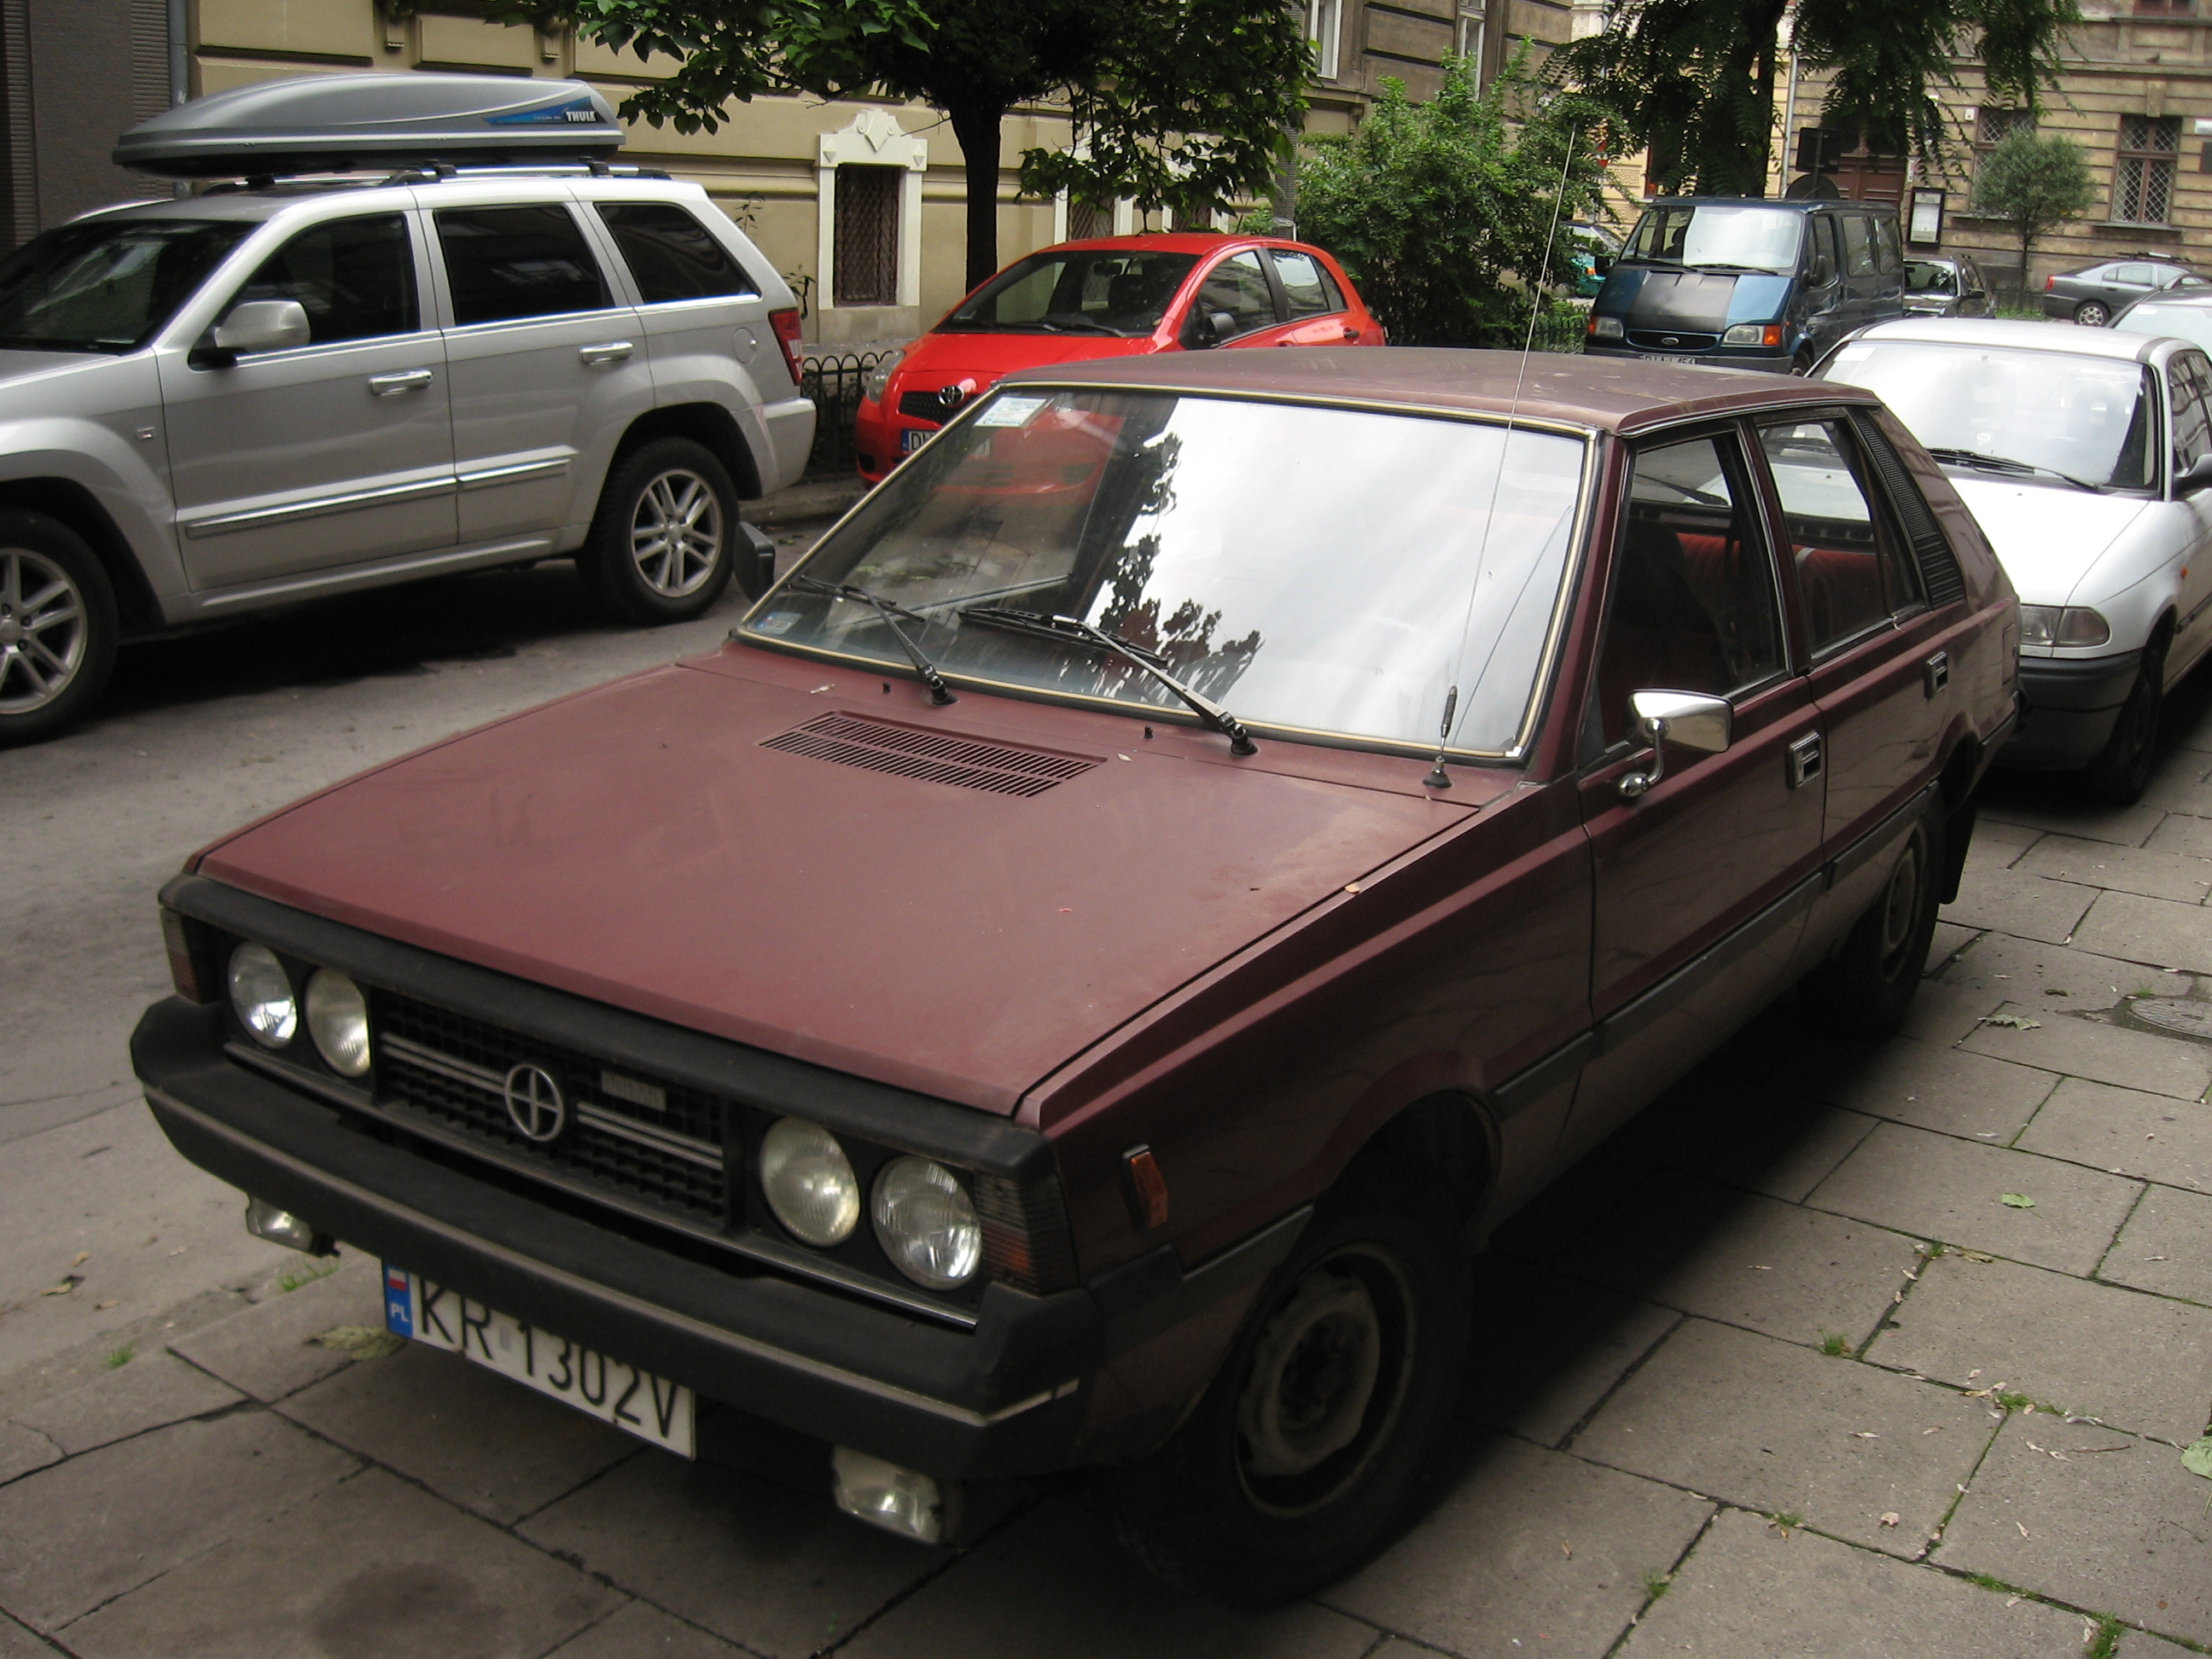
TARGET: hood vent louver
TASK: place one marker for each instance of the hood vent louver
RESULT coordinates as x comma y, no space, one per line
933,756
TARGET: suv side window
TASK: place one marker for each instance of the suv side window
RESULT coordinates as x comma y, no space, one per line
1694,602
1850,573
525,261
354,277
1306,283
1238,286
672,255
1859,244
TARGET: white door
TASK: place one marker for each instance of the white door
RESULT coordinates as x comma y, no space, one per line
2189,392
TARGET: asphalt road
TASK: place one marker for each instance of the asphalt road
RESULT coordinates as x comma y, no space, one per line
199,734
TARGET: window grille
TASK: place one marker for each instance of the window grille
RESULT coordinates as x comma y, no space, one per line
2142,171
1993,126
1088,219
2166,8
866,253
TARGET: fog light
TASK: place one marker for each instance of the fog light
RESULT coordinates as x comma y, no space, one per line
264,1220
912,1505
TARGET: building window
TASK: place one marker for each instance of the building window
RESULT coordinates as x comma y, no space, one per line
866,261
2166,8
1474,14
2142,171
1325,27
1993,126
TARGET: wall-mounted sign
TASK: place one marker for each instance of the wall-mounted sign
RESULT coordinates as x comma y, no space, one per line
1923,220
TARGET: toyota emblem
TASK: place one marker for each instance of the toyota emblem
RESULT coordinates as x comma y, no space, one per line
534,1104
949,398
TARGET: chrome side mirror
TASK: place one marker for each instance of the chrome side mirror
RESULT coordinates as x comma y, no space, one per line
263,325
1688,719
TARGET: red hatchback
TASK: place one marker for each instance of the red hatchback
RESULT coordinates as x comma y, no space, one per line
1117,296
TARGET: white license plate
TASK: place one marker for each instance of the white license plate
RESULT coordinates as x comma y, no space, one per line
912,439
649,1406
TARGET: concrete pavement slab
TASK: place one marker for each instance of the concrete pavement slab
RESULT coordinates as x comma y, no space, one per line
1942,1014
2157,932
1550,1347
471,1436
2139,1362
1752,1591
2123,1531
1946,941
2179,786
1561,1214
372,1569
270,1351
2166,1246
2104,1054
779,1572
1747,1259
2191,837
18,1643
2012,901
1784,1429
1532,1544
2135,1644
149,1391
1054,1583
22,1450
2026,806
2154,874
639,1631
1935,1186
1780,1146
83,1532
1992,833
1937,1088
2054,976
2154,1136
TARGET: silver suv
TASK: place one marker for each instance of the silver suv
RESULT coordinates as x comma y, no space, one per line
216,404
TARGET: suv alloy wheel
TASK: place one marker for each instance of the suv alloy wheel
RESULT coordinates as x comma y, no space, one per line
660,549
58,627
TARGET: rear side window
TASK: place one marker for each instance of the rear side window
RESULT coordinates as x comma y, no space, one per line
1306,284
1859,244
1931,550
672,256
1849,574
508,262
2186,387
2133,276
354,277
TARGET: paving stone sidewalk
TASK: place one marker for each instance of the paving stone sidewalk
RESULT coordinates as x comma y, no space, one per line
1781,1370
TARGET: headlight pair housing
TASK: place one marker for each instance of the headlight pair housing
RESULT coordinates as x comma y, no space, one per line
923,1217
2074,624
270,1007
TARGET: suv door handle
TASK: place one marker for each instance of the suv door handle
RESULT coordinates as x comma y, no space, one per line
405,379
607,351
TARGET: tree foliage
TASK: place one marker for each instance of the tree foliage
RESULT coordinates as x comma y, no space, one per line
2034,183
1434,207
1181,104
1692,81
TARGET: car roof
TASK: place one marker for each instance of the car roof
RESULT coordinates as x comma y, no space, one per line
1792,204
1609,394
2067,337
1172,241
2197,299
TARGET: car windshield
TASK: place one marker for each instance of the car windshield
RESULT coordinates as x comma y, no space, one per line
2189,323
108,284
1328,570
2089,417
1076,291
1749,237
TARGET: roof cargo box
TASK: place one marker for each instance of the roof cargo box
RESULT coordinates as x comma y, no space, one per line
346,123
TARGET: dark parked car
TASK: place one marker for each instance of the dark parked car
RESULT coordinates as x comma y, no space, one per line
1071,980
2090,295
1944,285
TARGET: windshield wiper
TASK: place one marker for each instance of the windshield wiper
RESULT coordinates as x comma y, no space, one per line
1741,270
1982,463
940,692
1072,628
1064,324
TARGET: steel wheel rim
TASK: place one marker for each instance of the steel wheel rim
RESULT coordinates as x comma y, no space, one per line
44,630
1901,906
676,533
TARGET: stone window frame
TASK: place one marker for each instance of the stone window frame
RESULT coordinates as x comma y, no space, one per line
874,138
2147,160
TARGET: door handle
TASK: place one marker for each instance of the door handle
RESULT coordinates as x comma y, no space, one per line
1804,760
1351,333
607,351
405,379
1936,672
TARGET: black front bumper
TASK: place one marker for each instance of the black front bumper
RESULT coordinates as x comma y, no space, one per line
2069,708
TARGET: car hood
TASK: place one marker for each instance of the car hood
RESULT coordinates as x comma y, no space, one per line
2045,536
938,360
17,367
636,844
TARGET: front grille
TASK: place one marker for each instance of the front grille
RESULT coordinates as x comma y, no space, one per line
934,756
645,1139
1652,339
921,406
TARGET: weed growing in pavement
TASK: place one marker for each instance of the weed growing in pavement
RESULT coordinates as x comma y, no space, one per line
2107,1641
1991,1582
1656,1584
1787,1520
1834,1344
306,1273
118,1357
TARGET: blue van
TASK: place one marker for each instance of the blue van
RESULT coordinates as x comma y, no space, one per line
1749,284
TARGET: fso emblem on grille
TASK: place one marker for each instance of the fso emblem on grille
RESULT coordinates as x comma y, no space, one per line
534,1104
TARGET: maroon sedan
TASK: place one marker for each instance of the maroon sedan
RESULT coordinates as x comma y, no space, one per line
1069,982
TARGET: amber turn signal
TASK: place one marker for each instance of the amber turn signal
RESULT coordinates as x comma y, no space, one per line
1147,1189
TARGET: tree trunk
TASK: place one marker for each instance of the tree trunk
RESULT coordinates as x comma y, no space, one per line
976,130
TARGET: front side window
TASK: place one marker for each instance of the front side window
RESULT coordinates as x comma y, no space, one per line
1930,277
2187,387
1306,284
1694,606
504,263
1372,564
2143,169
1858,245
1075,291
672,256
354,277
1848,576
1740,237
1237,288
107,285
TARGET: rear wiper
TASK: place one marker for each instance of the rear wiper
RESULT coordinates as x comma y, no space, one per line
1982,463
1072,628
940,692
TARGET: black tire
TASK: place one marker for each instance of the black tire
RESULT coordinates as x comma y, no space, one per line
1866,988
1316,1436
58,627
2093,314
633,565
1802,364
2121,771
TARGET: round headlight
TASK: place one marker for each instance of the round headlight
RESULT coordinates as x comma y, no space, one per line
261,994
338,1020
809,1181
927,1223
879,380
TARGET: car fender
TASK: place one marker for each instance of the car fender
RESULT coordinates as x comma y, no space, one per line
699,376
2136,580
120,476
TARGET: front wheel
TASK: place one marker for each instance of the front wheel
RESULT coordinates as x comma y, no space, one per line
1866,988
2121,771
659,549
58,627
2092,314
1317,1434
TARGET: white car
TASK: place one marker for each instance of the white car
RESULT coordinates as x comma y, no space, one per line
2087,455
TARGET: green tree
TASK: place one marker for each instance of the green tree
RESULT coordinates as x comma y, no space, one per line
1436,207
1692,82
1183,104
2034,183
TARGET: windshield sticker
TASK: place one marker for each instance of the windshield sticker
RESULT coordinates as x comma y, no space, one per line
1012,411
776,622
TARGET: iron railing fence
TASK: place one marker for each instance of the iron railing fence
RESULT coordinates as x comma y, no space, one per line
833,379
